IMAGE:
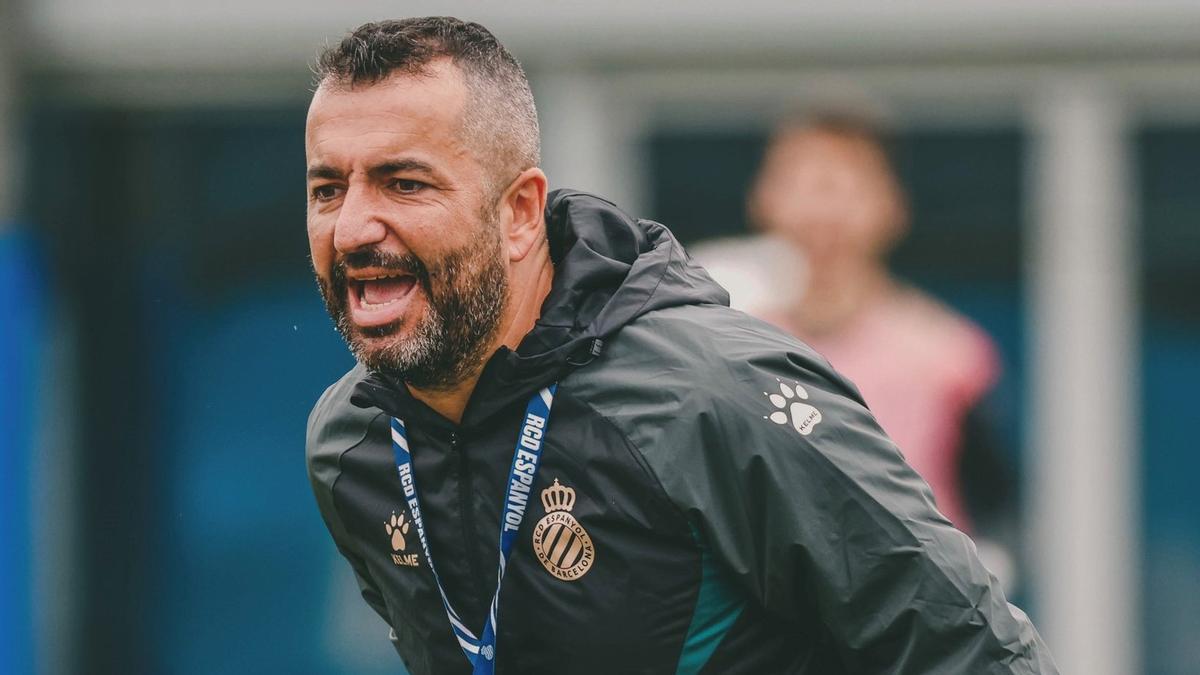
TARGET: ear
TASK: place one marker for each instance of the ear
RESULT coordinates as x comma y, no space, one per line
522,212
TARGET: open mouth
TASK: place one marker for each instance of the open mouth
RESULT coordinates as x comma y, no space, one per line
377,299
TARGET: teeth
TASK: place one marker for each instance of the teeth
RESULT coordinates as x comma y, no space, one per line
367,305
382,276
361,288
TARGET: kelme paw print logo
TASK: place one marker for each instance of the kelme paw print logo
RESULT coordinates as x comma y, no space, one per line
801,415
396,528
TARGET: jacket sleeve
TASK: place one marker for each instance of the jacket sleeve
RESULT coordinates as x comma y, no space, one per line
366,584
334,427
812,510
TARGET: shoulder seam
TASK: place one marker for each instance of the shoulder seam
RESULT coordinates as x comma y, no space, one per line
638,456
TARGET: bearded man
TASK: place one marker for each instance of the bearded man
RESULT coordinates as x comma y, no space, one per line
561,451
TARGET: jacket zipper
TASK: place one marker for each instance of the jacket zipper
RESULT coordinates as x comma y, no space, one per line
464,509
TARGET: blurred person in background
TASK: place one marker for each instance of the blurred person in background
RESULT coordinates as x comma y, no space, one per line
828,189
763,273
707,497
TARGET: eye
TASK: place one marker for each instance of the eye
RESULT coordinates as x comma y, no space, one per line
407,186
324,193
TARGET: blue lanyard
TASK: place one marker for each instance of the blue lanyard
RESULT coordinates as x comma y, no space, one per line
481,651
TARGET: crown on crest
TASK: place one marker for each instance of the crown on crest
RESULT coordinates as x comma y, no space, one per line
558,497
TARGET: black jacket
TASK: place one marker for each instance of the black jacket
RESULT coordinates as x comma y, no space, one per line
738,508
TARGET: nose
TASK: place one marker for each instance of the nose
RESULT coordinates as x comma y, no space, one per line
360,222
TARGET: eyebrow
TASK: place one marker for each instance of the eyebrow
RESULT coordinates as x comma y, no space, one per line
382,169
323,171
399,165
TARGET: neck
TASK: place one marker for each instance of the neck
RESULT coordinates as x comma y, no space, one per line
837,291
530,282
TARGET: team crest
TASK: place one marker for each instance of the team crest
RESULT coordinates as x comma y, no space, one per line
560,542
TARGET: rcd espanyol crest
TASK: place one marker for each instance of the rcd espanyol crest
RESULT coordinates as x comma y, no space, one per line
560,542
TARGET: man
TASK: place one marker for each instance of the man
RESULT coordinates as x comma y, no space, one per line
561,452
827,187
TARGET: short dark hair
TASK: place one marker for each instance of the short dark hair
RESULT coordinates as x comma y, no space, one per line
500,121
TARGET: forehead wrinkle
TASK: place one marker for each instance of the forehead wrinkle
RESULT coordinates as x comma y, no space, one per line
392,138
342,127
376,158
348,120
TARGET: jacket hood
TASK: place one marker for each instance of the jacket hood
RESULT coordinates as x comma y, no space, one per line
609,269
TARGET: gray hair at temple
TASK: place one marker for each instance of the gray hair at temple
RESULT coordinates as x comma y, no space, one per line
500,122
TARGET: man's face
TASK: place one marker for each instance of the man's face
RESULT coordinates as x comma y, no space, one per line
831,194
407,254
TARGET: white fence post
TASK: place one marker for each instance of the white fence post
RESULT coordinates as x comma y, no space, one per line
1084,405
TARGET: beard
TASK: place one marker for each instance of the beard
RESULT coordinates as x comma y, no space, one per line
466,292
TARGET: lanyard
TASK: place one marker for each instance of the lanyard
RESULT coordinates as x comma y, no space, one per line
481,651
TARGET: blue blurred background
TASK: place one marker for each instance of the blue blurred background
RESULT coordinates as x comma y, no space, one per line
163,340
